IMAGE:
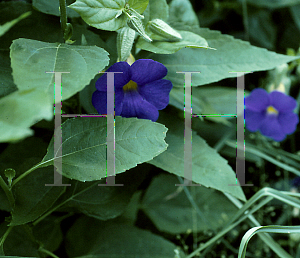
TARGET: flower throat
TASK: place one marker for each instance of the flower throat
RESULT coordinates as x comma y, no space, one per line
131,85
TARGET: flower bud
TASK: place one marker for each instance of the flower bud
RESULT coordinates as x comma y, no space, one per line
136,24
162,29
125,41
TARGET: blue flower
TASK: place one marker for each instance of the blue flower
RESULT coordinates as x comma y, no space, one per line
271,114
140,90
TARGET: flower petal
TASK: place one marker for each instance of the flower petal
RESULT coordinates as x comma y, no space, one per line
99,100
156,93
288,122
135,106
144,71
120,79
282,102
270,127
253,119
258,100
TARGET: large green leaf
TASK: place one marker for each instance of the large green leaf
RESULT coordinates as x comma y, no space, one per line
7,83
102,14
32,197
182,11
208,101
114,239
52,7
295,10
84,146
274,3
31,59
214,65
173,213
189,39
20,110
156,9
208,169
138,5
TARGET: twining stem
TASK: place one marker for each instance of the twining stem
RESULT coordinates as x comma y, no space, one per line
8,192
63,15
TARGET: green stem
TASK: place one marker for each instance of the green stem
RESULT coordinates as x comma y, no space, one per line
63,15
41,249
8,192
2,239
26,173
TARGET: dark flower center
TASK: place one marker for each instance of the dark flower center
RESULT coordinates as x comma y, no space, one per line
131,85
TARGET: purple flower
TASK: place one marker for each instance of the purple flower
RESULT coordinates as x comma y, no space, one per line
140,90
271,113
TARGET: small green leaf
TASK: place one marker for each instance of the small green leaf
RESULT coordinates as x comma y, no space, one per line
6,26
209,168
171,211
31,59
52,7
138,5
125,41
102,14
20,110
84,146
189,40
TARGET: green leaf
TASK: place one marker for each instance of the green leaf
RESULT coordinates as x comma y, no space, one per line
274,3
84,146
262,29
138,5
136,24
295,10
20,156
114,239
52,7
209,168
20,110
7,85
49,233
30,59
5,27
125,41
156,9
18,242
189,40
208,100
215,65
102,14
172,211
102,202
32,197
182,11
